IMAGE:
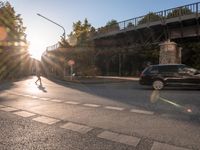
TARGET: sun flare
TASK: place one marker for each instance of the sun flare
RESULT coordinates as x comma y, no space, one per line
36,48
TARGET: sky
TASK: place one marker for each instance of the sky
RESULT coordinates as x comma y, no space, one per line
42,33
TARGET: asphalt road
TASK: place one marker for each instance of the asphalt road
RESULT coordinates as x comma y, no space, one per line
124,115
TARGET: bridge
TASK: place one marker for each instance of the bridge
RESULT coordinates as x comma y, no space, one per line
124,47
178,22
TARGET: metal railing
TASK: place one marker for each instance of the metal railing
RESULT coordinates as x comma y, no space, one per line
146,19
151,17
53,47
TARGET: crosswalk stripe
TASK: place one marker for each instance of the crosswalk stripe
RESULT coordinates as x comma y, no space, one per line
163,146
46,120
8,109
76,127
121,138
24,114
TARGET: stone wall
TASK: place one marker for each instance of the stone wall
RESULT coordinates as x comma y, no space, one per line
170,53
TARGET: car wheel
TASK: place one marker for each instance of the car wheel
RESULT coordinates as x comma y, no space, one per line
158,84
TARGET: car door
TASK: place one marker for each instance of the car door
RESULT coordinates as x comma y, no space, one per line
189,75
170,74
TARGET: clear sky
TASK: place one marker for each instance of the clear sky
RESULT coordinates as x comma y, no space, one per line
41,33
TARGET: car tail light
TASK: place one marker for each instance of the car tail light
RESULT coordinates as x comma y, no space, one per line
142,75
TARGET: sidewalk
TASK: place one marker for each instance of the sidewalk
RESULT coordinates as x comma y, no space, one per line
99,79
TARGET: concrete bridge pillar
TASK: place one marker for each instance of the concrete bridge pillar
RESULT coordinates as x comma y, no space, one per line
170,53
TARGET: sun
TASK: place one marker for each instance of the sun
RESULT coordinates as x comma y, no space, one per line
36,48
35,53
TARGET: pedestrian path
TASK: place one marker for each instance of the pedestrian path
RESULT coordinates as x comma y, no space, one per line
85,129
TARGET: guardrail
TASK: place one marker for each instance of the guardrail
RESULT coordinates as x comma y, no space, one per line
151,17
53,47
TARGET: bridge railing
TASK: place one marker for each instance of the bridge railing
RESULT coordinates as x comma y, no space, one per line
152,17
53,47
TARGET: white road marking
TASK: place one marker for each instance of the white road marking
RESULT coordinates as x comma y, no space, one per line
56,100
121,138
76,127
114,108
2,106
46,120
72,102
142,111
34,96
44,98
8,109
91,105
27,95
163,146
24,114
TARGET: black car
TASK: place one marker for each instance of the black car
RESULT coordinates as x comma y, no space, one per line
170,74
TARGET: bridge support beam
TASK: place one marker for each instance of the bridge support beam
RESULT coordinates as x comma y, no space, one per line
170,53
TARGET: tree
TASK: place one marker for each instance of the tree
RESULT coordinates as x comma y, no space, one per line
81,32
130,25
63,43
112,25
179,12
191,53
150,17
13,46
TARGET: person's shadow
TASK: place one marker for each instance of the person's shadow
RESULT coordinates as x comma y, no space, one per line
42,88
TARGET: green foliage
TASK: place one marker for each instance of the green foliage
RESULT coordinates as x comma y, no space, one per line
150,17
81,32
130,24
179,12
63,43
191,54
13,44
109,27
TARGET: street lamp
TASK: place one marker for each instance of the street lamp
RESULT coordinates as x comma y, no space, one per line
53,23
59,26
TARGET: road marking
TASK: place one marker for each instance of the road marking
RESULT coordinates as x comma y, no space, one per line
56,100
121,138
8,109
33,96
76,127
163,146
114,108
24,114
44,98
2,106
72,102
46,120
141,111
91,105
27,95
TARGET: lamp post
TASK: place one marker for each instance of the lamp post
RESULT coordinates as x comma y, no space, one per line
64,36
53,23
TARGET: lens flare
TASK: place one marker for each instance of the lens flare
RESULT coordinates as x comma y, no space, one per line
3,33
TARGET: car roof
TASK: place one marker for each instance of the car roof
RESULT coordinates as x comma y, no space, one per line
160,65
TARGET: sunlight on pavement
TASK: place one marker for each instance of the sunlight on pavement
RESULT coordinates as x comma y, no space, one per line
155,97
32,87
